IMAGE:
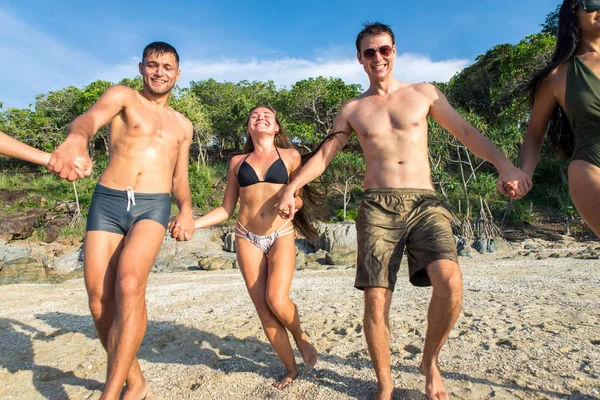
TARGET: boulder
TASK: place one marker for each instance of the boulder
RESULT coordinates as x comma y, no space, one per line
336,237
21,226
68,263
211,263
337,258
229,242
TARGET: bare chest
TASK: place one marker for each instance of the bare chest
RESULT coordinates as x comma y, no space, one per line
384,119
140,127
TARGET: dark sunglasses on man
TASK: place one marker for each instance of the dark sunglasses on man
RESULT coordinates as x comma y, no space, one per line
589,6
385,51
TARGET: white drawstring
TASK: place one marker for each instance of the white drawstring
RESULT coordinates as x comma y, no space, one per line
130,197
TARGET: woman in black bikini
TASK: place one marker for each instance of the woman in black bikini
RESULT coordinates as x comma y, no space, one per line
265,246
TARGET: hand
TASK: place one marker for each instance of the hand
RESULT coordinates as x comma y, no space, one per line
182,227
286,207
514,182
83,170
62,161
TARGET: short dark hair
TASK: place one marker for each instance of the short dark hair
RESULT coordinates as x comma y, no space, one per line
373,28
159,48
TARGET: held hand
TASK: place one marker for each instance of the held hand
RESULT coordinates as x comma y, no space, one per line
83,170
182,227
63,159
514,183
286,207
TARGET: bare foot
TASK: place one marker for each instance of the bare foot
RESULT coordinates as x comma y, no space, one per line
136,392
286,381
307,350
434,387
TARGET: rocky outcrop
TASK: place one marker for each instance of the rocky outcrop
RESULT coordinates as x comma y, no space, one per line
21,226
336,237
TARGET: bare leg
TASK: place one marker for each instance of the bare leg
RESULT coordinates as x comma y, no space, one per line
101,254
253,265
444,308
125,337
279,280
584,186
377,333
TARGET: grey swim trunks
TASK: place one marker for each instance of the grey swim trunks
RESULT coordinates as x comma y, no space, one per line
117,211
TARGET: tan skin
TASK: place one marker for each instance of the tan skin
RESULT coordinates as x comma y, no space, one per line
584,177
148,145
11,147
268,279
390,122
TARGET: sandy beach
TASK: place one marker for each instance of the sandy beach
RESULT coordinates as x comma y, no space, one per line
530,329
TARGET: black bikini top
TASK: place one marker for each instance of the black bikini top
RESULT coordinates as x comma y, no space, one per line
277,173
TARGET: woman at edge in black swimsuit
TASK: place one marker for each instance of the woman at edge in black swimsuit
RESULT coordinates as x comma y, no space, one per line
566,103
265,245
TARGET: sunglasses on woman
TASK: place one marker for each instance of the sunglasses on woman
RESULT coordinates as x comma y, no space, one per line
385,51
589,6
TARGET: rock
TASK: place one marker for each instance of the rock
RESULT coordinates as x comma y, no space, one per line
229,242
300,260
462,248
216,263
337,258
9,254
491,245
68,263
554,255
21,226
23,269
336,237
178,256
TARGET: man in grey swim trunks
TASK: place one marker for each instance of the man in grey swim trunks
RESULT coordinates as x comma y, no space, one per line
400,208
149,146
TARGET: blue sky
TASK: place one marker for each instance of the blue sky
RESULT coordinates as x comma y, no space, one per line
50,44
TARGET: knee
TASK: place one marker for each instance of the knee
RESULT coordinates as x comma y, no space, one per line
130,286
450,285
277,303
99,304
377,302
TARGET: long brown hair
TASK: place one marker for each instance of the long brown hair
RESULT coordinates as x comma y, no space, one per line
311,198
559,130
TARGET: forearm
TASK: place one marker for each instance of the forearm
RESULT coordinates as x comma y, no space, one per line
530,154
214,217
309,172
13,148
483,148
298,202
182,196
83,127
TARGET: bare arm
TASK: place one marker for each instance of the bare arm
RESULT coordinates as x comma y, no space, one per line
232,192
13,148
329,148
443,113
83,128
543,106
182,227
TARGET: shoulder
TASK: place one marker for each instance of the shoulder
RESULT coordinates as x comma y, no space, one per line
348,106
185,122
427,89
119,93
235,160
292,154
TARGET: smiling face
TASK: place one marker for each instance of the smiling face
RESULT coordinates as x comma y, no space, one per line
378,67
262,120
160,72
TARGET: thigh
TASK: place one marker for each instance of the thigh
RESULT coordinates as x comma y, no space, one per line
281,263
430,239
140,249
253,266
381,238
584,186
101,253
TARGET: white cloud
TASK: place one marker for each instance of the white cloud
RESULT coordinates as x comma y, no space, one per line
287,71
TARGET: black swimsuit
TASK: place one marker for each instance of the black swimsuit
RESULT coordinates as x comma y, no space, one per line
277,173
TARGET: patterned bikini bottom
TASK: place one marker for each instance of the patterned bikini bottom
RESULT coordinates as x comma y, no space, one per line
263,242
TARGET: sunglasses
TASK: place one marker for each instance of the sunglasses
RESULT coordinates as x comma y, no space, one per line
589,6
385,51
